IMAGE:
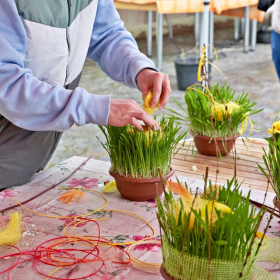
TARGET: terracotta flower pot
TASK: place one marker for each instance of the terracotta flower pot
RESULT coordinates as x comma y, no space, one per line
205,147
139,189
276,202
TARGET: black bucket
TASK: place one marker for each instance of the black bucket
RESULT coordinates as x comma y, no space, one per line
186,71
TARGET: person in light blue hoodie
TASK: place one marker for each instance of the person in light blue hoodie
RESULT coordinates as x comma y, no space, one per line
43,46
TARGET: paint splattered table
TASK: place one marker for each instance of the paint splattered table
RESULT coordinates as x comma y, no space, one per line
116,226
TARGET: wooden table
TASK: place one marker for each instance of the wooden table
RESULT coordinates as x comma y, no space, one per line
248,156
118,227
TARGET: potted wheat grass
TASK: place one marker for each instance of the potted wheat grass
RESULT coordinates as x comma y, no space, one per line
214,115
271,160
136,155
209,236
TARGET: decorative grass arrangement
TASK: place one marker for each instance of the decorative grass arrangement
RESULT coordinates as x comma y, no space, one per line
138,154
209,236
271,160
215,111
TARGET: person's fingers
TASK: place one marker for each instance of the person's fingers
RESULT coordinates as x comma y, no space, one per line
166,92
146,118
134,122
157,87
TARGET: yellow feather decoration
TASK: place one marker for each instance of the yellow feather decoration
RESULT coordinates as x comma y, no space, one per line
146,105
68,196
110,187
10,234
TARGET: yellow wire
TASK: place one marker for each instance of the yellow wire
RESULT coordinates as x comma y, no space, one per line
99,209
197,90
53,272
87,214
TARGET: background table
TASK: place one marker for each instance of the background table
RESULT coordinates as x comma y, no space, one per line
119,227
246,9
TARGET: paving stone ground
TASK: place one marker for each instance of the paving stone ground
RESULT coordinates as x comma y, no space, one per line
251,72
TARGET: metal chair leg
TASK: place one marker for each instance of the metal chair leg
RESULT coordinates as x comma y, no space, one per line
254,34
247,29
196,28
236,29
211,34
170,28
159,41
242,20
150,34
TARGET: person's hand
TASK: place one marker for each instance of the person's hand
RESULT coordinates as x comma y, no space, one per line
148,79
123,112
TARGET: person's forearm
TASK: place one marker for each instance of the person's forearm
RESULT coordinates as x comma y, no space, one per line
113,48
33,104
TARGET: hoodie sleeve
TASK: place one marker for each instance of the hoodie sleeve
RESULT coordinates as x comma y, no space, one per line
113,48
30,103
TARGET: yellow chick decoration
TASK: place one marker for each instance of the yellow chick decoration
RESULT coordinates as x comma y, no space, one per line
219,110
146,105
200,204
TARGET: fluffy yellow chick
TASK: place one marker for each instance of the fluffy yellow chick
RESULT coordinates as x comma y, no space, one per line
219,110
146,105
201,205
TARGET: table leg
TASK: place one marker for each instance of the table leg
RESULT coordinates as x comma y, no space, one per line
201,34
196,28
211,34
254,34
247,29
159,41
242,20
150,33
236,29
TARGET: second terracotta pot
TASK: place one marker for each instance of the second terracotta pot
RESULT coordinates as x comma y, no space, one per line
139,189
206,147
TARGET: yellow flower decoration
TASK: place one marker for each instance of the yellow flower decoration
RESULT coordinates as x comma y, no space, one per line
275,128
146,105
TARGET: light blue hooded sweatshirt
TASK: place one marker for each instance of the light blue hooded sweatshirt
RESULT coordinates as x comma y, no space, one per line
43,46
